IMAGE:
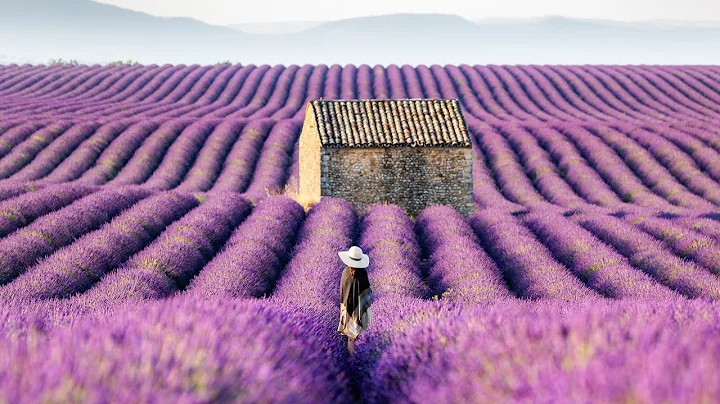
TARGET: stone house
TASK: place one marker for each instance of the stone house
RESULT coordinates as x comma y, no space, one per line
410,152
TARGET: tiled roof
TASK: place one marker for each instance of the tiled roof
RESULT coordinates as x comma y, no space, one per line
382,123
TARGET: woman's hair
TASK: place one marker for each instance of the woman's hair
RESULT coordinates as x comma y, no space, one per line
352,271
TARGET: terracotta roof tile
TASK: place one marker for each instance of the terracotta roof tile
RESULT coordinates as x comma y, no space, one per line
382,123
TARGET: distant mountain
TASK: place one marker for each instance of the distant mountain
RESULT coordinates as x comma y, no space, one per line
94,32
97,33
552,40
276,28
397,38
412,25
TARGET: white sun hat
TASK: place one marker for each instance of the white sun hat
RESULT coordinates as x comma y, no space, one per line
354,257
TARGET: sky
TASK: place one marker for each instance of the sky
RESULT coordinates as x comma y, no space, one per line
226,12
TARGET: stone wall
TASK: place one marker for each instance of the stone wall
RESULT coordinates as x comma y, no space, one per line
411,177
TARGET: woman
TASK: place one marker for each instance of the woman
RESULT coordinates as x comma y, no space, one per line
355,295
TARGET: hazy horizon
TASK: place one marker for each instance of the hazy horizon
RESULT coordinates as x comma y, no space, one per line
92,32
227,12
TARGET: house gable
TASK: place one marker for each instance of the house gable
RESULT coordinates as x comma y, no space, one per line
309,157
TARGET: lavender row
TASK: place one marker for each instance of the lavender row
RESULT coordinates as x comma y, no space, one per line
28,149
507,171
288,93
55,153
311,279
84,155
107,165
218,94
17,134
24,209
77,267
650,170
179,157
148,156
597,264
388,236
276,157
272,96
527,265
202,351
575,169
24,247
486,192
240,162
244,93
211,156
489,93
253,258
645,252
614,170
260,94
708,225
313,273
168,263
553,352
456,264
542,171
702,154
684,242
12,189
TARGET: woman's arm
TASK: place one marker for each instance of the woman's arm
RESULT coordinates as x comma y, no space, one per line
343,279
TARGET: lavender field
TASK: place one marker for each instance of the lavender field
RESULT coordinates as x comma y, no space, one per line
150,251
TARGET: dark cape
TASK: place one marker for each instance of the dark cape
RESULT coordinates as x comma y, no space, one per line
355,291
